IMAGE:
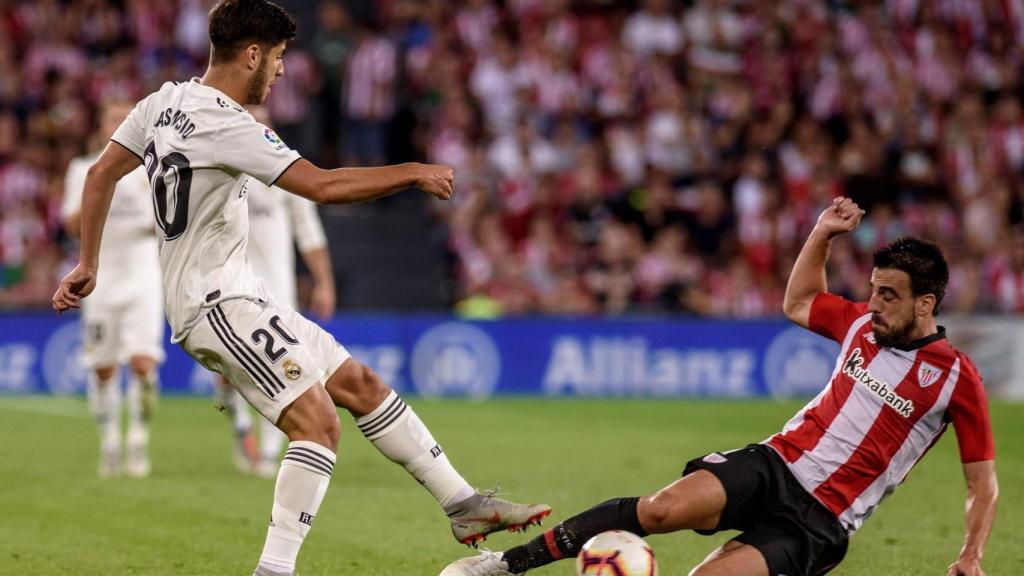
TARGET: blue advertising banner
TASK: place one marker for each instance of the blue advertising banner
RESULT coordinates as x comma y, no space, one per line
436,355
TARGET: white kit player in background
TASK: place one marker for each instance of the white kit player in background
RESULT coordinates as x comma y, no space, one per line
201,150
122,323
277,220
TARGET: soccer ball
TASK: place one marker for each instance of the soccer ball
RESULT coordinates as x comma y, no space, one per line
616,553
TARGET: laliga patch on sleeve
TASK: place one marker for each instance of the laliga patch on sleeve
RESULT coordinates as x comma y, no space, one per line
273,139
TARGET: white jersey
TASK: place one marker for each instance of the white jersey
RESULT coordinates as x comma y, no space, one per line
201,150
129,259
276,220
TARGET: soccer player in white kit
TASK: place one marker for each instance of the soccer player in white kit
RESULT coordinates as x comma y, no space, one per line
201,150
123,323
277,220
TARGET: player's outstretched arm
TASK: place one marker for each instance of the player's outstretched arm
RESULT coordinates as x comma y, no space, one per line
982,496
807,279
348,185
112,165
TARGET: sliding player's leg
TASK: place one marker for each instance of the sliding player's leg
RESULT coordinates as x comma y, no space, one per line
733,558
692,502
398,433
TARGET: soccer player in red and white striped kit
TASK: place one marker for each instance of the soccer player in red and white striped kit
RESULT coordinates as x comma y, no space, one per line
798,496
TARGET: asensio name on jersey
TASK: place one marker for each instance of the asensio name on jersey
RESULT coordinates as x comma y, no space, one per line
200,148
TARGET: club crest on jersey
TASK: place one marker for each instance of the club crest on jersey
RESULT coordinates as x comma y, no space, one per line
927,374
292,370
714,458
273,139
854,368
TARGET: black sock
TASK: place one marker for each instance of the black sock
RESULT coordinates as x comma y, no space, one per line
566,539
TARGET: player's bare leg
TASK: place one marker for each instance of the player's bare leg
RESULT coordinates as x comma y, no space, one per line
141,397
311,424
395,429
695,501
104,394
733,559
245,453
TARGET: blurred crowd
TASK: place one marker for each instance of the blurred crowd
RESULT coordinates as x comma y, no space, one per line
611,157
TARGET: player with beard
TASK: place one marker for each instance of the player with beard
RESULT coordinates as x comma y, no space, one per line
201,149
798,496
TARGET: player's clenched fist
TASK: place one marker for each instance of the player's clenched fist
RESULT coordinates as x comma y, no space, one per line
438,181
842,216
78,284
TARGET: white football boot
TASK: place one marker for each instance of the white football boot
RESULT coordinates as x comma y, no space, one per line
487,563
491,514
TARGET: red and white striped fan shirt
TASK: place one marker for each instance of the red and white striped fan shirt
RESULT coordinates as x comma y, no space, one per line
854,443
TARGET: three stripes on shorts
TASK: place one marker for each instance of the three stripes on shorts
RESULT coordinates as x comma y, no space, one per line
382,423
260,372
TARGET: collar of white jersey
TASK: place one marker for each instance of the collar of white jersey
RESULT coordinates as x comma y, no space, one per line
212,92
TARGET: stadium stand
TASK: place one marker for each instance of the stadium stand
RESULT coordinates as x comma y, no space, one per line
611,157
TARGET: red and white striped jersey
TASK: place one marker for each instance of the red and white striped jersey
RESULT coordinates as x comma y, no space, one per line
854,443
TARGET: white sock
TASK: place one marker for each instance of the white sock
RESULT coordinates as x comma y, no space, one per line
301,484
105,406
400,435
138,427
271,440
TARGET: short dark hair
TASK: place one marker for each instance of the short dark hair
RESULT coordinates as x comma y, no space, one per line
922,260
235,24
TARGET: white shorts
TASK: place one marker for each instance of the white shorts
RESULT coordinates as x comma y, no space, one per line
270,354
113,333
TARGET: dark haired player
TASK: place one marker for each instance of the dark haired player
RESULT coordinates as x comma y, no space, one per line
201,148
798,496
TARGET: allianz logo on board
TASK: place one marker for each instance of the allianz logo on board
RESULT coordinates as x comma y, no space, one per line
630,365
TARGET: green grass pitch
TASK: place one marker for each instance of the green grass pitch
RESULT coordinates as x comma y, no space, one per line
197,516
